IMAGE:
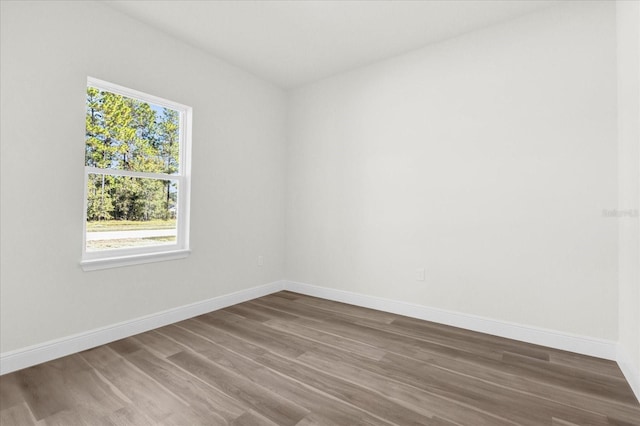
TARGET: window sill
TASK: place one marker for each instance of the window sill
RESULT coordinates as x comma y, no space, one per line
117,262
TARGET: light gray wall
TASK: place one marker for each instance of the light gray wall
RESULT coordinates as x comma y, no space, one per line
487,159
628,26
48,49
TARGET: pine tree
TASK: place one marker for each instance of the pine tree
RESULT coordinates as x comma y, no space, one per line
127,134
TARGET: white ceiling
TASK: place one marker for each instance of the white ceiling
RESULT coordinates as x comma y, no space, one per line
291,43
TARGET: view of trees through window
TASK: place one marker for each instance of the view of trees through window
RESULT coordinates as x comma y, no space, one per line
131,145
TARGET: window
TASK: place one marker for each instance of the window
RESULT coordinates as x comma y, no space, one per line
137,155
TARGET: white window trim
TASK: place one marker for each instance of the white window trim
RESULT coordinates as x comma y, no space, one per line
133,256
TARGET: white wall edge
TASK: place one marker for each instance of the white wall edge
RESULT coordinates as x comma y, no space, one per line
630,372
26,357
551,338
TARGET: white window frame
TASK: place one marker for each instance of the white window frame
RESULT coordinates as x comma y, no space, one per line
111,258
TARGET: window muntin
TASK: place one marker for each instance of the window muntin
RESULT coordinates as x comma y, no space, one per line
136,202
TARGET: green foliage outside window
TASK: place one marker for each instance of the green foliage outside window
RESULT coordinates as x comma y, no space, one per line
128,134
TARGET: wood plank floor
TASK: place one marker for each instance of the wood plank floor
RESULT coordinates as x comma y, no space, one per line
289,359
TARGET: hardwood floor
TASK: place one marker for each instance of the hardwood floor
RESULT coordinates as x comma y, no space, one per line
289,359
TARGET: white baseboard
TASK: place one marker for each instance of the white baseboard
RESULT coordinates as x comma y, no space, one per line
36,354
551,338
26,357
631,373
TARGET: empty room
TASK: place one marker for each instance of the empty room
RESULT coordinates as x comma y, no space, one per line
320,212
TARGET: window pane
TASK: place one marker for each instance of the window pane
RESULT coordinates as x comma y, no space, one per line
126,212
129,134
